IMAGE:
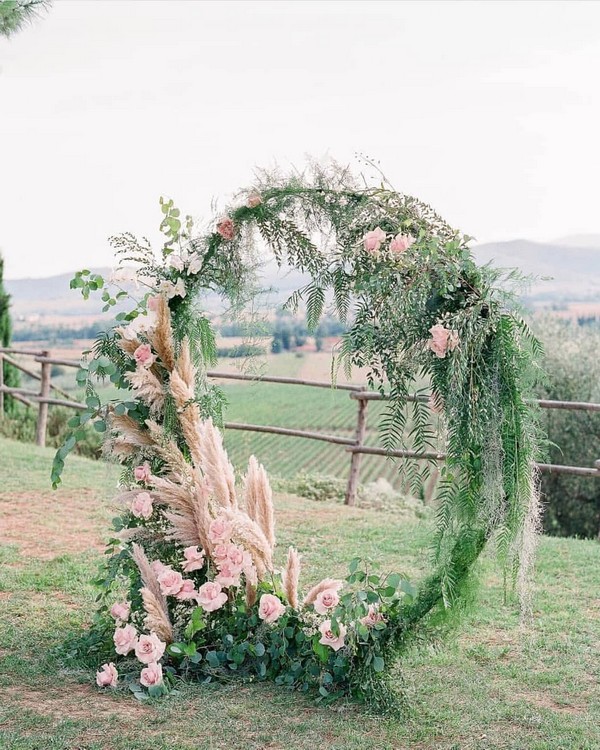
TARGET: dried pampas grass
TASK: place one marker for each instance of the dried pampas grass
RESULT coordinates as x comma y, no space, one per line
156,621
190,518
162,336
131,431
290,577
250,594
167,449
155,603
216,466
147,387
127,345
249,534
258,498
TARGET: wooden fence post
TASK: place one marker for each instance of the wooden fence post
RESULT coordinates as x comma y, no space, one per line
42,421
361,430
1,385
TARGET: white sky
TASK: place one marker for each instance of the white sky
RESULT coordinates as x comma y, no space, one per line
489,111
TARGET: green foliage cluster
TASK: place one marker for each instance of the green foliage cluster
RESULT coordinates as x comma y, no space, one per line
16,14
20,425
54,333
572,504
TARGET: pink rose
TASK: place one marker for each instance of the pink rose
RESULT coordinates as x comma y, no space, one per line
254,200
158,567
152,303
328,638
326,600
228,575
142,473
194,559
235,556
125,639
220,553
442,340
143,356
401,243
170,581
149,648
226,228
270,608
141,506
120,611
107,676
372,240
210,596
372,617
220,530
187,590
151,675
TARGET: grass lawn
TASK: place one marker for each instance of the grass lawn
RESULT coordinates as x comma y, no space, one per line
495,684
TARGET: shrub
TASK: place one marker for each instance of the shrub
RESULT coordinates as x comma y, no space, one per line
573,374
21,426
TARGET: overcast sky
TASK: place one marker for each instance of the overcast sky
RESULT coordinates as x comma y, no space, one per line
488,111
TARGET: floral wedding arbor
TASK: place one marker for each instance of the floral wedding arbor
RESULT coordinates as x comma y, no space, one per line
192,586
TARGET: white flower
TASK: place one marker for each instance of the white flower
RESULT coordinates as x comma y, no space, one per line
141,324
173,290
176,261
194,264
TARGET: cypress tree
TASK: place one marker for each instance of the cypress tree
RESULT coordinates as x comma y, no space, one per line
11,375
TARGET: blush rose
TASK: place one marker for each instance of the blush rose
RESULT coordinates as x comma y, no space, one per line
151,675
401,243
326,600
107,676
142,473
125,639
193,559
143,356
120,611
210,596
149,648
270,608
328,638
170,581
141,506
226,228
372,240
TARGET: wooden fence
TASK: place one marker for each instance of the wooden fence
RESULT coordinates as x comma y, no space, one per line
355,446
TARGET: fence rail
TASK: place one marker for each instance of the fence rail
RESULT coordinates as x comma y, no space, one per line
355,446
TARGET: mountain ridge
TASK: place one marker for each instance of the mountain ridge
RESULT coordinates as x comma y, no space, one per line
572,265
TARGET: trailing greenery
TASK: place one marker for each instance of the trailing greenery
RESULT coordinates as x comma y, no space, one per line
417,308
16,14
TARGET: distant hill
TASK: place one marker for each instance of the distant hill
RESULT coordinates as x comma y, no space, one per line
565,272
51,299
571,263
579,240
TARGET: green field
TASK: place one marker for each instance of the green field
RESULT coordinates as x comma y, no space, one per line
497,684
324,410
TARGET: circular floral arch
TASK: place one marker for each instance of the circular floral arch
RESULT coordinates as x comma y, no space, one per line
418,309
